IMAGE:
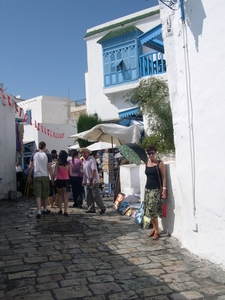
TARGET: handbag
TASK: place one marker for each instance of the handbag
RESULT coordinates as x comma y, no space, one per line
160,181
161,190
164,210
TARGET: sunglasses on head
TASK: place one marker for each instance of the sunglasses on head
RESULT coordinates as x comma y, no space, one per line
151,152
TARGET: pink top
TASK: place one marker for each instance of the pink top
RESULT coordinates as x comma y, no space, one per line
63,173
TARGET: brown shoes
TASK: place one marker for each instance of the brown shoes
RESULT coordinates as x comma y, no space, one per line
156,236
151,233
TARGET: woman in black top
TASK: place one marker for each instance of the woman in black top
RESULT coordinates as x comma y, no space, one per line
152,199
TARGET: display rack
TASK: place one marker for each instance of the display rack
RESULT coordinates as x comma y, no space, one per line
108,173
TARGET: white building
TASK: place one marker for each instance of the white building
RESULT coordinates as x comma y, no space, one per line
195,70
47,119
194,51
10,142
119,54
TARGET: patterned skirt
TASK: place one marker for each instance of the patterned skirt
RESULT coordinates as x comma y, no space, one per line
153,204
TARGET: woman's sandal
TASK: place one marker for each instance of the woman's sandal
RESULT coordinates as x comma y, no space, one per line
156,236
151,233
59,212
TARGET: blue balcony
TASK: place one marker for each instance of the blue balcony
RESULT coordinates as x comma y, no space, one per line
152,63
80,102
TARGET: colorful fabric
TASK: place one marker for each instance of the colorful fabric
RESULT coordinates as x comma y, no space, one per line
153,204
129,154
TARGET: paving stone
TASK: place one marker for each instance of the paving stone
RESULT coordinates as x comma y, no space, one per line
96,257
74,281
123,295
103,278
74,292
177,287
19,291
47,286
50,278
21,275
74,275
151,265
36,296
213,290
105,288
99,297
153,291
80,267
161,297
139,260
190,295
176,277
150,272
35,260
50,271
192,285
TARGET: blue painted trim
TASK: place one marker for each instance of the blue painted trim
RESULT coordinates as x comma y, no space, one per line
125,122
182,10
151,38
154,32
128,113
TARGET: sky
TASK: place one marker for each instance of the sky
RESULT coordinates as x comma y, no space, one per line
42,46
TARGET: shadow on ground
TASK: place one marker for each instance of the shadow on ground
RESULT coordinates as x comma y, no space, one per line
93,256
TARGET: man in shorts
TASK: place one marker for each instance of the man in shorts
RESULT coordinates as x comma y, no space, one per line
40,163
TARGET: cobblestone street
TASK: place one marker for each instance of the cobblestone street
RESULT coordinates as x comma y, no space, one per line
93,256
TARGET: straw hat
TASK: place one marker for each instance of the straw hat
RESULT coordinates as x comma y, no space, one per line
85,150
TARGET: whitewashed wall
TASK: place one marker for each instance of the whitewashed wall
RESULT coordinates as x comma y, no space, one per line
7,149
47,109
97,101
196,71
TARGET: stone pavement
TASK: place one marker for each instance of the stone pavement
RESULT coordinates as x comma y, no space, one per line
93,256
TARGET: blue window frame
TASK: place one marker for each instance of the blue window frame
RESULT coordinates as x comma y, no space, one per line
120,65
120,55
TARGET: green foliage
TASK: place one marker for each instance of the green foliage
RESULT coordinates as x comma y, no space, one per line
84,123
152,97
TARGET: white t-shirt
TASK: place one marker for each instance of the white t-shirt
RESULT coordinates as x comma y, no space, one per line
40,161
19,169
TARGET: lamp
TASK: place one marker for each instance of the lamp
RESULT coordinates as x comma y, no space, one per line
170,3
174,5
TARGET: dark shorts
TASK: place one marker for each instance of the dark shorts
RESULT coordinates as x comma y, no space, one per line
61,183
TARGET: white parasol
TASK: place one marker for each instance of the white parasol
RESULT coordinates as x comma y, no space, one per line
111,133
100,146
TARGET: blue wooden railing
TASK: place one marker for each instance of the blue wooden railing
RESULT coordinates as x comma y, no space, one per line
78,102
151,64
